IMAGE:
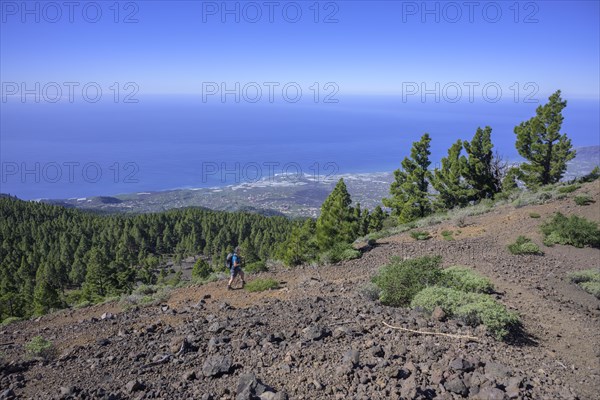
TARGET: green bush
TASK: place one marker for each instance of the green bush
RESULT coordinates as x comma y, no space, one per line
534,215
420,235
584,200
524,245
473,308
448,235
83,304
592,176
592,288
40,347
146,295
400,280
370,291
575,231
466,280
568,189
10,320
256,267
260,285
201,269
588,279
339,252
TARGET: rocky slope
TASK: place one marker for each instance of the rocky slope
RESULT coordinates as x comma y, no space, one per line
321,337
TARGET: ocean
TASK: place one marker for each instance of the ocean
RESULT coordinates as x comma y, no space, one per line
75,150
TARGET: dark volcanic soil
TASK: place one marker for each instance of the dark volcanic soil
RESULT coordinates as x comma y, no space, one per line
320,337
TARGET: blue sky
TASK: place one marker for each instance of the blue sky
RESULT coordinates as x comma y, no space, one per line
373,48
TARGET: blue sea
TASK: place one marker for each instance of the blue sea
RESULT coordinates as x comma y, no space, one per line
75,150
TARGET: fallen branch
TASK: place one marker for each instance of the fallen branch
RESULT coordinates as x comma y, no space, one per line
6,343
432,333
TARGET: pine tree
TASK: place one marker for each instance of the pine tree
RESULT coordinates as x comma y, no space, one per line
201,269
99,277
540,142
337,222
410,197
478,168
376,220
452,189
301,246
46,293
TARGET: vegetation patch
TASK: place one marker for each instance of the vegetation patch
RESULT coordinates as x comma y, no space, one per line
401,280
339,252
524,245
466,280
420,235
448,235
146,295
584,200
40,347
260,285
473,308
10,320
588,280
256,267
568,189
575,231
459,291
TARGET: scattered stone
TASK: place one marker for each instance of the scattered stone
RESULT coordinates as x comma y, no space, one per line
107,315
490,393
457,386
249,387
351,356
189,375
67,391
216,366
134,386
315,332
438,314
460,364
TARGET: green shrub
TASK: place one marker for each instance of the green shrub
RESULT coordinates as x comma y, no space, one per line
448,235
420,235
201,269
10,320
370,291
466,280
400,280
592,176
82,304
592,288
588,280
473,308
524,245
260,285
583,200
575,231
534,215
146,295
40,347
568,189
585,276
339,252
256,267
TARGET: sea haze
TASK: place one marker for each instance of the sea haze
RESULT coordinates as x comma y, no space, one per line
166,142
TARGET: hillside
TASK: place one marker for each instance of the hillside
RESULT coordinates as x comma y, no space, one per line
319,336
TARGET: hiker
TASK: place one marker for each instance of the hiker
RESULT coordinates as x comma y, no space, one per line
235,266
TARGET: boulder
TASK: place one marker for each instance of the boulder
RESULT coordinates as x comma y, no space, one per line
216,366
